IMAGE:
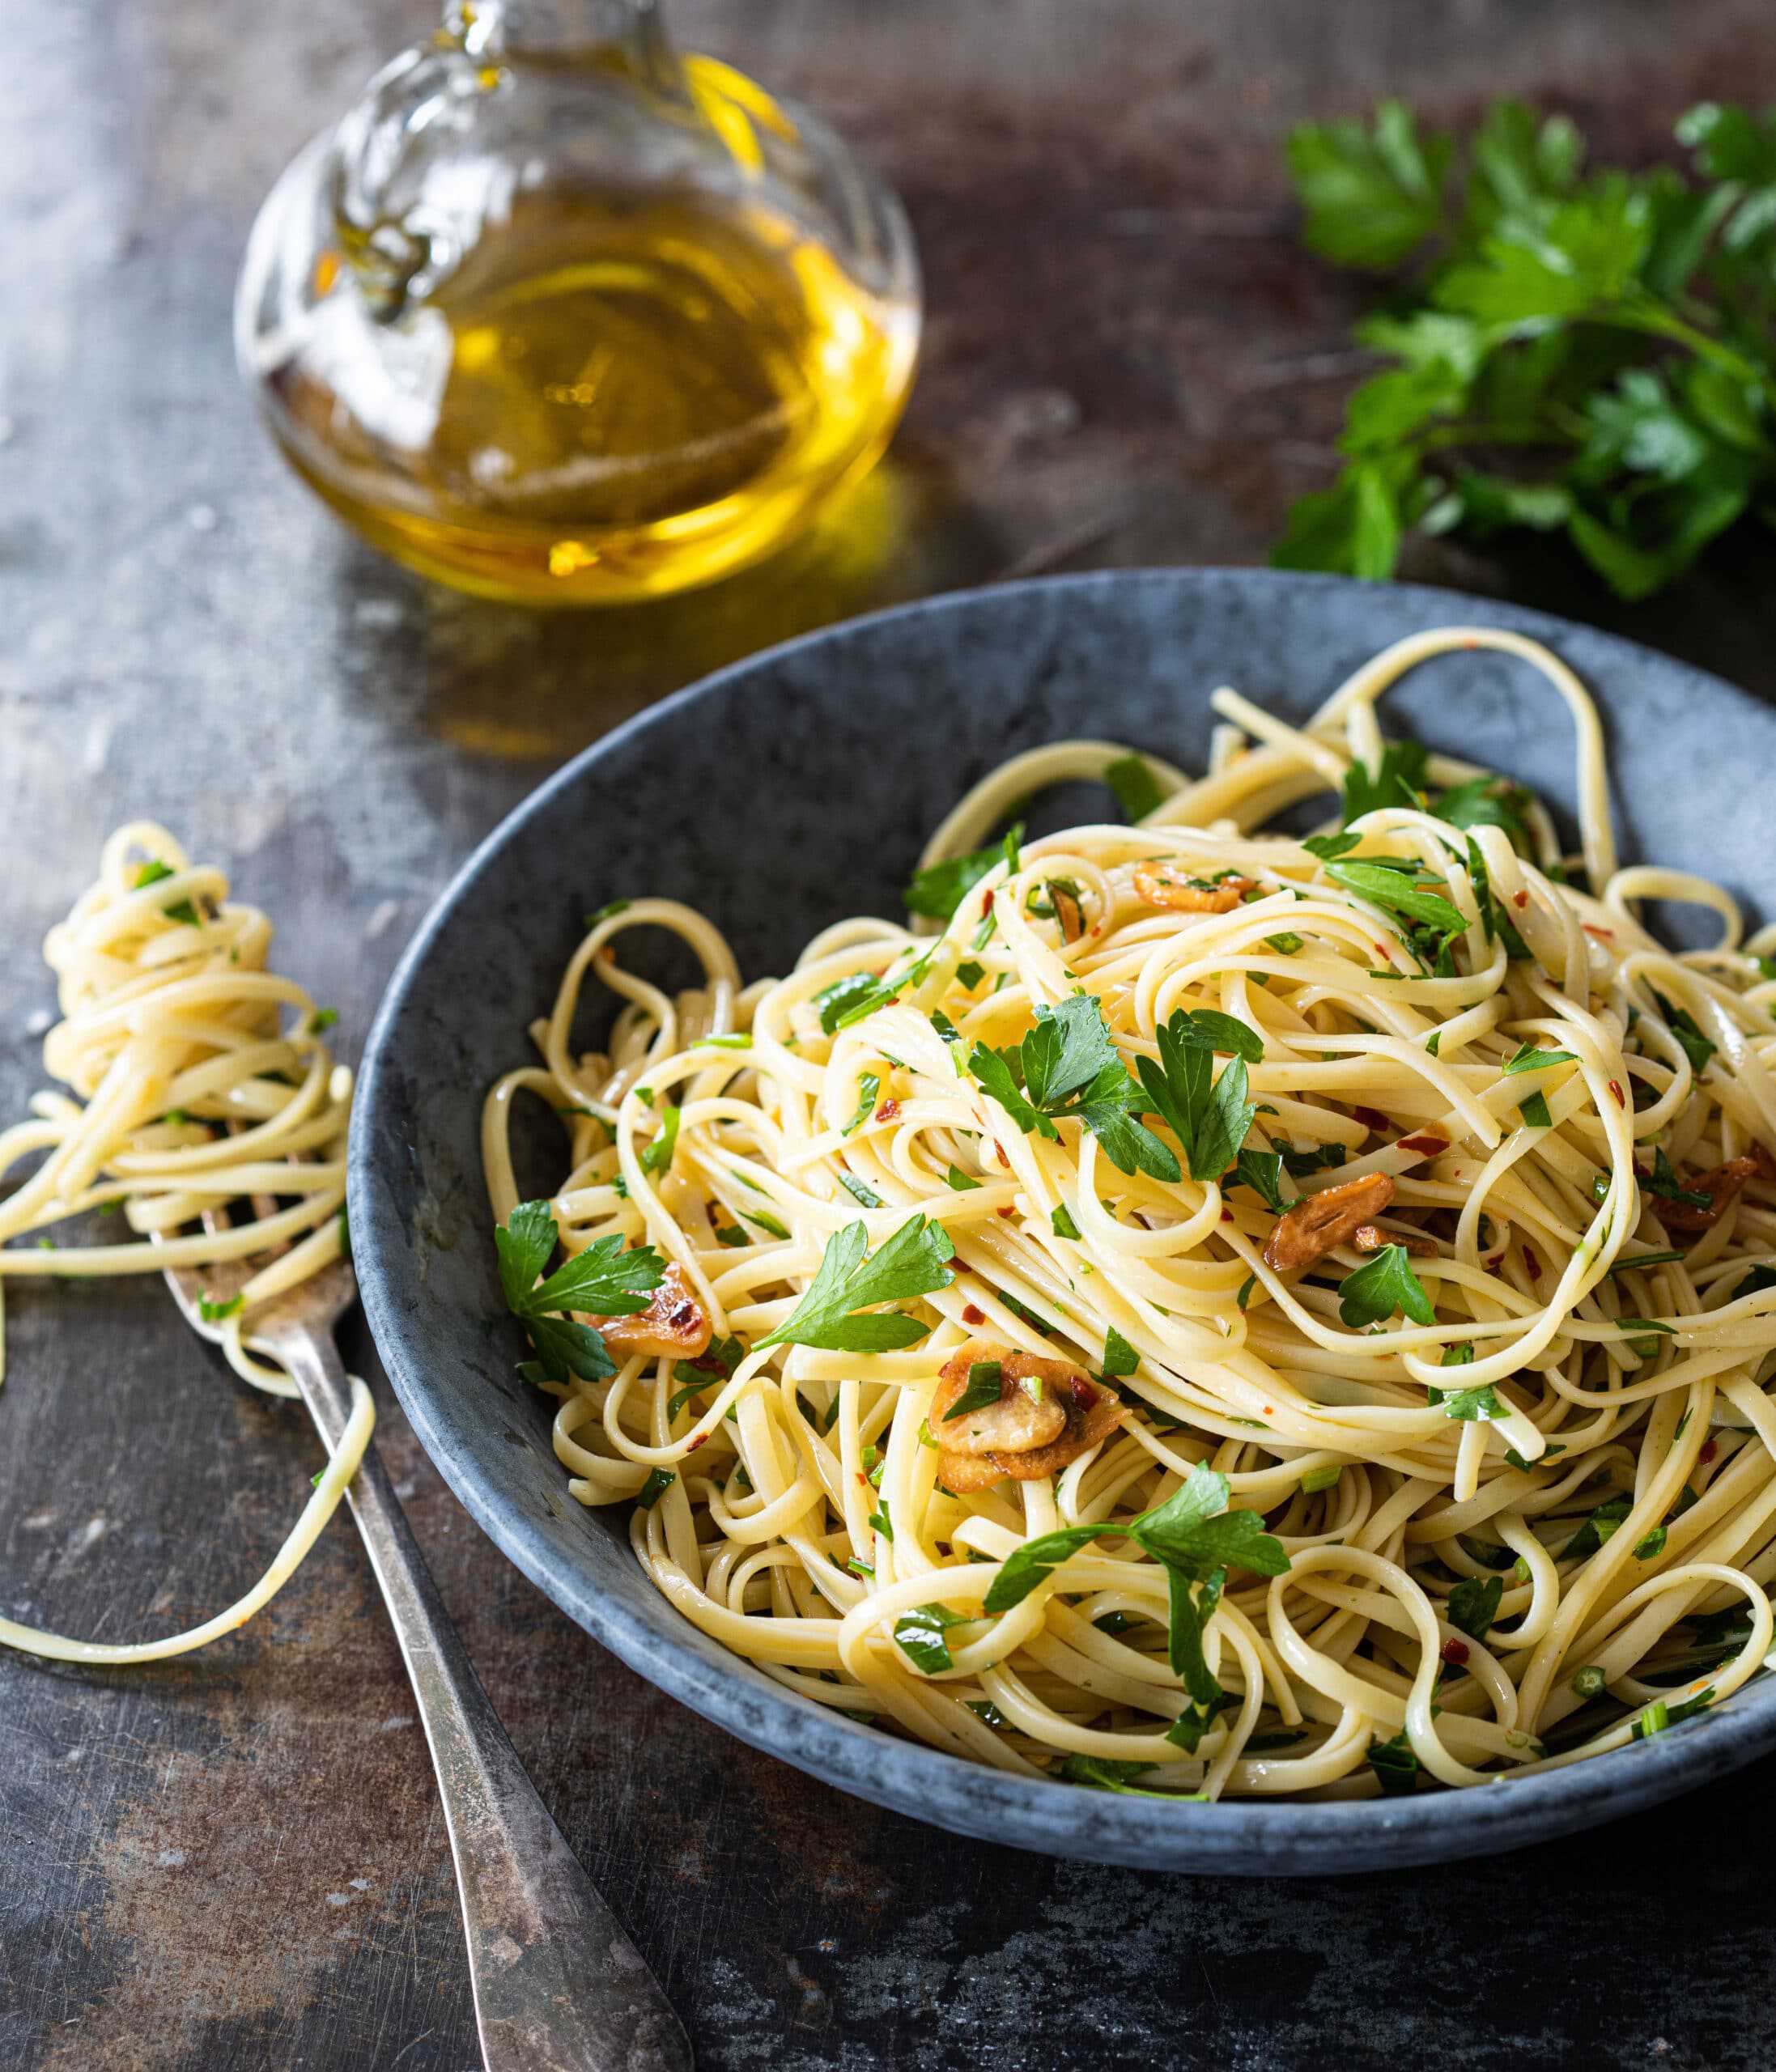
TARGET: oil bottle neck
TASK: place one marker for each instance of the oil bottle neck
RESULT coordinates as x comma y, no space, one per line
565,29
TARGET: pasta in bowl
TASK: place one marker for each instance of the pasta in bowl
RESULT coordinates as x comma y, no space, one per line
1202,1311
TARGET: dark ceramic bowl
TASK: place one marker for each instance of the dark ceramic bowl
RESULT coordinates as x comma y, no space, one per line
797,787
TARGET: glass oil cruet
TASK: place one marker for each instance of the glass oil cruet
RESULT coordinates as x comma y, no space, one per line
559,316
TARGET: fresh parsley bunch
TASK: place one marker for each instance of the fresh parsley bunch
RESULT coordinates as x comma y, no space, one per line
1586,354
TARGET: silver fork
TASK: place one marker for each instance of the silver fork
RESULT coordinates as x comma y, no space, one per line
557,1986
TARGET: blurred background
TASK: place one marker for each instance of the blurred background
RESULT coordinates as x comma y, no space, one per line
1127,359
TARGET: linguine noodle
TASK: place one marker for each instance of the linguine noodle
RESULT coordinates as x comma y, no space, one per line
190,1093
1532,1521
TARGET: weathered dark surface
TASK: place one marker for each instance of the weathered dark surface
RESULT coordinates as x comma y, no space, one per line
236,1862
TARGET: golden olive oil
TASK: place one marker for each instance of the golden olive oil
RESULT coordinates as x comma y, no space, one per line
612,396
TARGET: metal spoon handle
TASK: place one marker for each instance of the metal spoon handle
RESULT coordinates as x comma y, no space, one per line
559,1987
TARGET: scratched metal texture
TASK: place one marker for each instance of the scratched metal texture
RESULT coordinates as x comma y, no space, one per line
237,1861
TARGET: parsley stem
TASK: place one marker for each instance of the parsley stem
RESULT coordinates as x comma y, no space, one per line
1656,320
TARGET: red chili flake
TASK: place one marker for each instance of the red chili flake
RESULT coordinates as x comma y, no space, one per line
1454,1652
1084,1395
887,1111
1532,1264
1381,950
1707,1452
985,903
1002,1212
696,1442
971,1316
1371,1119
1616,1088
1604,935
1519,899
999,1153
1427,1141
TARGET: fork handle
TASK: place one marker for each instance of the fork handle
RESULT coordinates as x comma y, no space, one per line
559,1987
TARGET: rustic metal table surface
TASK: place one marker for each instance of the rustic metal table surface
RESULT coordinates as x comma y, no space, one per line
236,1860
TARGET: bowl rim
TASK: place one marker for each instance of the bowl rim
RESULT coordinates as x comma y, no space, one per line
1251,1835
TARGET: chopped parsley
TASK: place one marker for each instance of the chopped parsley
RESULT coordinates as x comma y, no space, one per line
938,890
869,1086
1136,788
657,1156
1603,1524
1381,1286
1024,1313
182,910
605,1279
1683,1025
1391,891
911,1262
1106,1773
1299,1164
920,1635
659,1481
1067,1067
843,994
1400,781
1473,1604
1487,802
1394,1765
1647,1331
1468,1406
986,1385
1120,1357
1664,1184
1639,1259
1260,1171
1194,1537
1209,1116
1526,1058
1516,1459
